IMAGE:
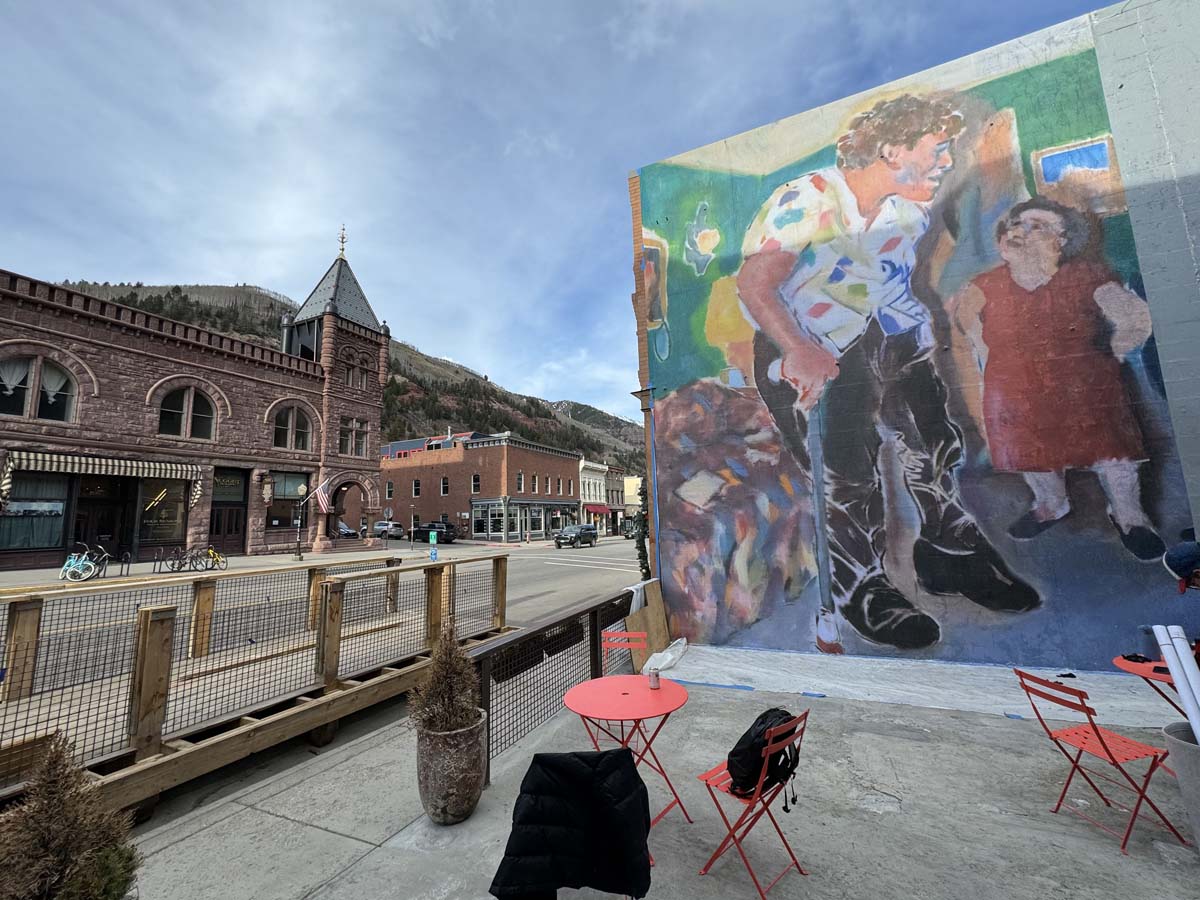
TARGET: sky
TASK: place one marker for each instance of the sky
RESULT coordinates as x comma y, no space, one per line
477,152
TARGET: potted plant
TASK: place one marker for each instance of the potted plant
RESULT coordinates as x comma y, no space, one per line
63,842
451,735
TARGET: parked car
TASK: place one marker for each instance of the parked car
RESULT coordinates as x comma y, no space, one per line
576,536
345,531
445,532
629,529
396,532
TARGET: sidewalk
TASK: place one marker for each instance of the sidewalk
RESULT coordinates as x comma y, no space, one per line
895,801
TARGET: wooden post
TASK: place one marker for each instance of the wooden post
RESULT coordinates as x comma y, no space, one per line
434,588
315,577
21,648
329,633
499,591
449,586
151,679
393,591
595,659
204,592
485,702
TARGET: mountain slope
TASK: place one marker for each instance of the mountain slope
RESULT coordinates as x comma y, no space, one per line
425,396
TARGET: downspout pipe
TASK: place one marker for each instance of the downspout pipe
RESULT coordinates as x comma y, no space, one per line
1182,685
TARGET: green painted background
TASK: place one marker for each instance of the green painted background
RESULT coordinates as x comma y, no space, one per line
671,193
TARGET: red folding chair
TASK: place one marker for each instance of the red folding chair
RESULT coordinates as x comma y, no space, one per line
1101,743
758,804
621,640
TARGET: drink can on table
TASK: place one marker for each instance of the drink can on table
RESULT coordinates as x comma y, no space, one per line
654,680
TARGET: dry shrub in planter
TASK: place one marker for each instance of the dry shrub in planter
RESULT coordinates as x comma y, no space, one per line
63,842
451,735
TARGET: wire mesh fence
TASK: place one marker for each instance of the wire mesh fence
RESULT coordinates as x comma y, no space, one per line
474,598
383,621
234,659
92,713
237,642
528,675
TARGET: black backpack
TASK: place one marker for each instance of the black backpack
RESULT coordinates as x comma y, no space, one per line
745,759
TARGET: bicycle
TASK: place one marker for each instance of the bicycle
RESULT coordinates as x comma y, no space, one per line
100,559
208,559
177,561
78,566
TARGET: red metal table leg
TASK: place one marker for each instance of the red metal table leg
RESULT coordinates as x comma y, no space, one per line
1165,695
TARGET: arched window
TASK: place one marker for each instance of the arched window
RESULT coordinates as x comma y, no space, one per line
36,388
186,412
292,429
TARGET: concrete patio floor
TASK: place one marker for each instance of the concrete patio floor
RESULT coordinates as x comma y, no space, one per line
896,801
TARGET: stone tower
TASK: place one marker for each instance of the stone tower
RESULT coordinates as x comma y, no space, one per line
337,328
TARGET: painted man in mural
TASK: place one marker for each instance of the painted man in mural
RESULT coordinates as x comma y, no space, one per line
826,279
1048,327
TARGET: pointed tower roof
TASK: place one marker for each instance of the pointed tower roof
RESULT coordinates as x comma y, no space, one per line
340,288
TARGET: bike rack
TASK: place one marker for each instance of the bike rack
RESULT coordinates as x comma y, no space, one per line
126,563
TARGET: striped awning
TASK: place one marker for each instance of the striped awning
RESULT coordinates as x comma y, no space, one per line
97,465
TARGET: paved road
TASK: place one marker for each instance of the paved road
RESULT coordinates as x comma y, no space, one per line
87,638
542,580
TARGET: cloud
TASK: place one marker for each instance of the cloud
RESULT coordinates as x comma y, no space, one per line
477,152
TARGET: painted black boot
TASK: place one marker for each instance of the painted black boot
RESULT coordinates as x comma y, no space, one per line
883,615
963,562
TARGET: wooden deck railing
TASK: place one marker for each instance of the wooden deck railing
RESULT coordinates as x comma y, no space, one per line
161,680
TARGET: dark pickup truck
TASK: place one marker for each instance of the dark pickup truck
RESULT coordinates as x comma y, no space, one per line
445,532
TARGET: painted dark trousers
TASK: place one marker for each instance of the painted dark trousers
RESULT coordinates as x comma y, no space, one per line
885,382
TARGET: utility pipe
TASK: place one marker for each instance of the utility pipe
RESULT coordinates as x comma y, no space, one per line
1184,688
1183,649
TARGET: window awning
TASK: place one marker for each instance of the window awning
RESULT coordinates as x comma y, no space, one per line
596,508
97,465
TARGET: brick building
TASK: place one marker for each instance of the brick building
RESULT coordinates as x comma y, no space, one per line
494,487
614,496
593,499
140,433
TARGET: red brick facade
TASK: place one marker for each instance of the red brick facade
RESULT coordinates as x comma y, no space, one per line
503,505
125,368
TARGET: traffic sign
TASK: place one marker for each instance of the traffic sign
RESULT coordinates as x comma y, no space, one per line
432,536
433,554
387,513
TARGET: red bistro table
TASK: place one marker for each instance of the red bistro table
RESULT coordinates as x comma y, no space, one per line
628,701
1145,671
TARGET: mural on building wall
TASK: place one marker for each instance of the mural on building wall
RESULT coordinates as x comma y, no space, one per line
927,302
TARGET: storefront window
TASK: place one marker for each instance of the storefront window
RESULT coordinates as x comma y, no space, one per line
497,519
535,519
282,511
479,522
164,511
33,517
512,520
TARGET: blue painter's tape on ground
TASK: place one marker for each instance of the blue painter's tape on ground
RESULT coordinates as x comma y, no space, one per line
1013,716
728,687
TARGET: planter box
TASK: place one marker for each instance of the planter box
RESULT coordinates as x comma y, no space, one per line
1185,760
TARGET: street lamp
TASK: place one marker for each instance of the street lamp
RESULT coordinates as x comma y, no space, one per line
301,491
411,507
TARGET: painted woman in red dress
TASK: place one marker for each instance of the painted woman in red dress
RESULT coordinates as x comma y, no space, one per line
1049,329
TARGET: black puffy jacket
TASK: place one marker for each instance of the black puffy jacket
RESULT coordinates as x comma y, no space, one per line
581,821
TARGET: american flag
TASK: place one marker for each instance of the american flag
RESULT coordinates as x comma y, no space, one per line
324,501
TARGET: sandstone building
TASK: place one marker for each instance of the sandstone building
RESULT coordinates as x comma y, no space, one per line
126,429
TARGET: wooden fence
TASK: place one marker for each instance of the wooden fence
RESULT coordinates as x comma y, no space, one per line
157,681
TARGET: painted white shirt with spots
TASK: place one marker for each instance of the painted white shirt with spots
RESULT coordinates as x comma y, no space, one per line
846,270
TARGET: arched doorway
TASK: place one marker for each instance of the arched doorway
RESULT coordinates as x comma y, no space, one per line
348,521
